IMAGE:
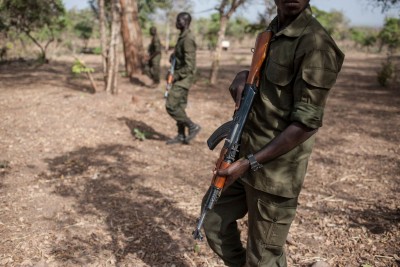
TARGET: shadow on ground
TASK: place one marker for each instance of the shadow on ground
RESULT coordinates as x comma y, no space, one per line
22,74
148,131
105,184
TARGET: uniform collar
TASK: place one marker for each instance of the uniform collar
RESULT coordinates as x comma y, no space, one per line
184,33
296,28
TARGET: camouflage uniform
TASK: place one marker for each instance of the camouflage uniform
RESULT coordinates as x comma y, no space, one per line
301,68
153,67
185,68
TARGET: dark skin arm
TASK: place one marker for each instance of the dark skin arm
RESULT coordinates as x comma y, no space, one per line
295,134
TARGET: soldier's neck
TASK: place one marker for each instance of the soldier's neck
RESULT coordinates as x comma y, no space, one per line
184,29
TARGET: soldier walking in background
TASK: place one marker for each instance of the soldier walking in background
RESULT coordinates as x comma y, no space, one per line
152,68
185,68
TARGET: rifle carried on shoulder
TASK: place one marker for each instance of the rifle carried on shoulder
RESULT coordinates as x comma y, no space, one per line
170,77
232,130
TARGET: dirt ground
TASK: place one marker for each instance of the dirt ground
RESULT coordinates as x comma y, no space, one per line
78,187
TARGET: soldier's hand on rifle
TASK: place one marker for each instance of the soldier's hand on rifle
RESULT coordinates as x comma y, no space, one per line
234,171
237,86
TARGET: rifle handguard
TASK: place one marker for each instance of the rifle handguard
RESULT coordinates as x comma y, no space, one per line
170,78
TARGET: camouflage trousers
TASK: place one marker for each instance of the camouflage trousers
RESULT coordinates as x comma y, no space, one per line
152,69
177,102
269,220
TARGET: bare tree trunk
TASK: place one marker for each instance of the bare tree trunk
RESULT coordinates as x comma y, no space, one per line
126,38
132,37
137,38
226,9
167,32
42,49
115,80
113,50
103,39
217,53
92,82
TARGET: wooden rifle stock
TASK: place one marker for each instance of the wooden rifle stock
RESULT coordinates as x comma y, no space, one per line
260,53
231,146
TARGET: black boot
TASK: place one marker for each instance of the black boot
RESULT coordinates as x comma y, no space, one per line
180,138
194,129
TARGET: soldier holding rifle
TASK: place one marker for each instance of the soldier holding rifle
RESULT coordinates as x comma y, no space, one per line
300,68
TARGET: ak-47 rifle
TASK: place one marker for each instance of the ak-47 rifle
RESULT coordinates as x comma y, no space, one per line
170,77
234,128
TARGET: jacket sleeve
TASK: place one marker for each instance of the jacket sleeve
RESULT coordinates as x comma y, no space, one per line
316,76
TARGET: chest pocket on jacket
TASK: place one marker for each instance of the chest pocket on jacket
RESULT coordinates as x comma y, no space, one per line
179,54
278,88
278,74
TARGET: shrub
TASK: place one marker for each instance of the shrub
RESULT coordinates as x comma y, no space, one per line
386,74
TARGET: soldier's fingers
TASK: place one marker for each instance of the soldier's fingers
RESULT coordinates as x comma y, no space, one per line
222,172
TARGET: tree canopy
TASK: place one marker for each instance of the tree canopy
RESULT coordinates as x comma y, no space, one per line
390,34
32,18
334,21
387,4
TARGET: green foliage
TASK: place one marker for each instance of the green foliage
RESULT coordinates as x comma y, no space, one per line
255,28
386,4
369,40
9,46
33,15
141,135
196,248
363,37
390,34
97,50
212,33
386,74
147,7
237,27
81,24
209,27
84,29
264,18
40,20
334,22
357,35
80,67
